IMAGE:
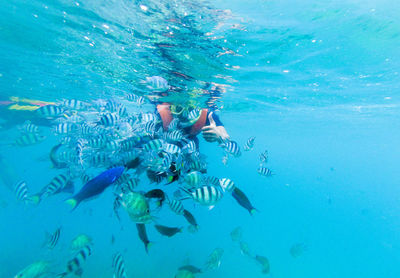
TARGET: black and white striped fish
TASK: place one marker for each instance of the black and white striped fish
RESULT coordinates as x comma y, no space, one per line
109,119
207,195
194,115
173,124
65,128
148,117
264,157
119,266
28,127
150,128
227,184
231,147
74,104
264,171
173,135
248,146
171,148
75,264
29,139
49,111
60,183
21,191
135,98
176,206
113,145
51,240
190,147
154,145
212,180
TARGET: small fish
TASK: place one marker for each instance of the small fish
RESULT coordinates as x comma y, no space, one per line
190,268
227,184
167,231
119,266
28,127
244,249
143,236
55,159
29,139
206,195
214,259
35,270
190,218
242,200
176,206
52,239
264,171
231,147
297,249
194,178
109,119
74,104
75,264
96,186
194,115
80,241
116,206
21,191
49,111
264,262
183,273
249,145
65,128
236,234
264,157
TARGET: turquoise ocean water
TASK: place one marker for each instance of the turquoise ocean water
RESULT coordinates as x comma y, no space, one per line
315,82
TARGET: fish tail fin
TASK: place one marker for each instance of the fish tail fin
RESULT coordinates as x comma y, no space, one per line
34,199
72,202
253,211
147,246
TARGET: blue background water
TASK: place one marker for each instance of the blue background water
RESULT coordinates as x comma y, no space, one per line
317,84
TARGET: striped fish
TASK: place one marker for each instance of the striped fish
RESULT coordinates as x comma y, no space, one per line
86,129
135,98
130,143
207,195
109,119
231,147
60,183
74,104
49,111
173,124
28,127
75,264
29,139
264,157
52,239
116,205
97,142
212,180
171,148
176,206
21,191
264,171
65,128
194,179
119,266
248,146
190,147
85,178
227,184
174,135
150,128
148,117
154,145
194,115
113,145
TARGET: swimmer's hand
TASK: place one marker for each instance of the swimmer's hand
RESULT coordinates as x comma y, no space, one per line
212,132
